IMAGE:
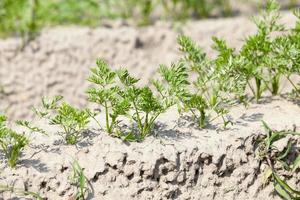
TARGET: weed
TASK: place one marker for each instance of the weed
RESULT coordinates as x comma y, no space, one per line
73,121
278,160
78,178
11,143
5,188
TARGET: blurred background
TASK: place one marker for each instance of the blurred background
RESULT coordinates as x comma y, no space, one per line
48,46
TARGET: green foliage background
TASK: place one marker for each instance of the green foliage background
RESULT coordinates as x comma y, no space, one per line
25,17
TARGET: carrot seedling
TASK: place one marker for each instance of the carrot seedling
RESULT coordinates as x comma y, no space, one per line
11,143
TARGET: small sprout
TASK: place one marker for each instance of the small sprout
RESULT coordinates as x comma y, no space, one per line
28,125
78,179
11,143
6,188
72,120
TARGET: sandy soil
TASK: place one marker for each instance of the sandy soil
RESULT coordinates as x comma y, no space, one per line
181,162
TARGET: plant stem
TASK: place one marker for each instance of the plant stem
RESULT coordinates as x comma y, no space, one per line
258,89
107,118
251,88
202,118
138,116
145,128
275,84
294,86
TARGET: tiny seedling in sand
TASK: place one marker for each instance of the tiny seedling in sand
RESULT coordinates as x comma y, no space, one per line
278,161
11,143
72,120
6,188
78,179
29,126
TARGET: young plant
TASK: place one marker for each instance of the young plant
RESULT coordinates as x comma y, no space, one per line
108,95
78,179
287,54
258,53
11,143
279,160
29,126
215,80
146,107
6,188
73,121
121,97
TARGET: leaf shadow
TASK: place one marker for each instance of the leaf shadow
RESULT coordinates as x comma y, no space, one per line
87,139
162,130
35,163
294,100
251,118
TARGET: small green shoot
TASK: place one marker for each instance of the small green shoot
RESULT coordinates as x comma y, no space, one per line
11,143
78,179
5,188
72,120
118,95
29,126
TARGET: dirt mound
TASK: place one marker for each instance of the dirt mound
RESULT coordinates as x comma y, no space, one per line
181,162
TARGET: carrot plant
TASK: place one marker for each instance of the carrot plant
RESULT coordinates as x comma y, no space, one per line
72,120
11,143
118,95
258,52
215,80
146,106
279,159
287,49
31,127
108,95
